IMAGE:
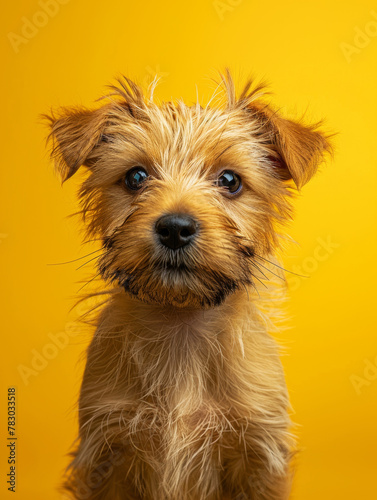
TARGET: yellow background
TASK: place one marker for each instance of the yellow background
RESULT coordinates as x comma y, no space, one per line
301,49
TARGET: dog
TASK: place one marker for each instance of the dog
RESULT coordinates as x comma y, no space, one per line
183,395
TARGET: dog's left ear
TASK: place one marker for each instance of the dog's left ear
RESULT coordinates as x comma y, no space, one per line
74,134
296,149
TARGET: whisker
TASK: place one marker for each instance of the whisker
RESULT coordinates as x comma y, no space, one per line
94,294
81,212
89,311
75,260
91,241
270,262
90,260
260,281
87,283
255,288
247,292
280,267
269,270
262,273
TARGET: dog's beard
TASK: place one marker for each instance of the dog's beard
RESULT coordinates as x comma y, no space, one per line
178,283
175,290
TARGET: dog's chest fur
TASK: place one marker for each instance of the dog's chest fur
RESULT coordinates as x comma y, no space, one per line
176,392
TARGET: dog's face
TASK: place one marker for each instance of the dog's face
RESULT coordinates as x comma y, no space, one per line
185,199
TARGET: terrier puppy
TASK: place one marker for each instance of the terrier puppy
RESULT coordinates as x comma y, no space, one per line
183,395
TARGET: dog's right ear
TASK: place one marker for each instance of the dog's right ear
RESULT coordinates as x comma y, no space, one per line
74,133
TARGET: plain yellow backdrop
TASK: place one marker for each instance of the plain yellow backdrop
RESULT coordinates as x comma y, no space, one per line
319,56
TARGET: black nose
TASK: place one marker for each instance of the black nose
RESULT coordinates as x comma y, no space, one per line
176,230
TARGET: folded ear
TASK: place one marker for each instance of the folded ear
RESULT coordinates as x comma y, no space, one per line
74,134
296,149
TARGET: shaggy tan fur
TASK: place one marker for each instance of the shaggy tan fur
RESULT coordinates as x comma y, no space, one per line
183,395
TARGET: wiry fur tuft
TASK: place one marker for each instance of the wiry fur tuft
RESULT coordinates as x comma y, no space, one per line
183,394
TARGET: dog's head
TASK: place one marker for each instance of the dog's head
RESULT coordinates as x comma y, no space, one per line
185,199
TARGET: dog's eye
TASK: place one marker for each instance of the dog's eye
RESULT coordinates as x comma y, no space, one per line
230,180
135,178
